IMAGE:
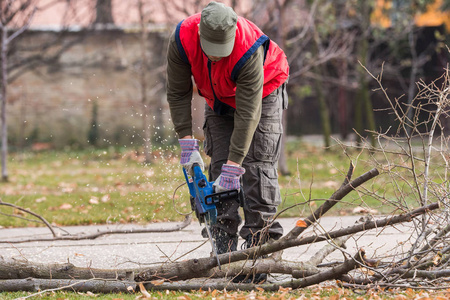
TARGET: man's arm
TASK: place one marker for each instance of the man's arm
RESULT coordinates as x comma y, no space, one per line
179,90
249,90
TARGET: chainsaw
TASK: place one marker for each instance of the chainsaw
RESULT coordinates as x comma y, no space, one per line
204,200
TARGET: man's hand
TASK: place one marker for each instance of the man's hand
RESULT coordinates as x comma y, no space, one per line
229,178
190,154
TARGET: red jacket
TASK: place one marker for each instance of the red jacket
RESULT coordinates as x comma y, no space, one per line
218,84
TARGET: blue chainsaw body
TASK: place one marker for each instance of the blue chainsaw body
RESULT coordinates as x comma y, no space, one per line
200,188
204,200
203,197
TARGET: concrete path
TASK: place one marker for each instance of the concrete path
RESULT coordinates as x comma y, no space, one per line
119,251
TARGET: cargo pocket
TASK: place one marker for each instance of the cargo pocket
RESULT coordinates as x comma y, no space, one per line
207,142
267,141
270,190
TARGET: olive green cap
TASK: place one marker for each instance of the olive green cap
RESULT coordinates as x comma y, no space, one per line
217,29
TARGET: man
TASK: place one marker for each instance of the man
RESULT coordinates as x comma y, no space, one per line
242,75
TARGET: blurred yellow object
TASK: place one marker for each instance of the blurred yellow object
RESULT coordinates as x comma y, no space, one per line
433,16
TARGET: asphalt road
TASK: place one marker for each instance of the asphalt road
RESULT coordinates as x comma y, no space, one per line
120,251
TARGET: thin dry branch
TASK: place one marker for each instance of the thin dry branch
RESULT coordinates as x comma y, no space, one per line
92,236
335,198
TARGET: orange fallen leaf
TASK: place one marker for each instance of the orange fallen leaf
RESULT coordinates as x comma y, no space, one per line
300,223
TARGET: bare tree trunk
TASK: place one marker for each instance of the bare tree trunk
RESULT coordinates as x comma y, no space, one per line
282,162
412,80
104,12
4,82
319,89
342,99
143,82
363,97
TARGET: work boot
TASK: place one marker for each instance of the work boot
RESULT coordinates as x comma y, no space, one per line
224,241
253,240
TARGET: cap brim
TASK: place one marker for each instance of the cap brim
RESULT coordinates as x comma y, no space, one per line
213,49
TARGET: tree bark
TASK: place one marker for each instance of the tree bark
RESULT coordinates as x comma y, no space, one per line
92,285
4,83
104,12
21,269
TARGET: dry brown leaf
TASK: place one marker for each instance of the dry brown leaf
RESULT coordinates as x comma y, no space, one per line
143,290
436,259
364,210
106,198
157,282
130,289
93,200
39,200
65,206
367,271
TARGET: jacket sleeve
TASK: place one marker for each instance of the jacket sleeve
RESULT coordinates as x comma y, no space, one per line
249,90
179,90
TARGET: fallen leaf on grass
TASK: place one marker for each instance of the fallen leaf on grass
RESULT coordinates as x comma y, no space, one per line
364,210
65,206
39,200
106,198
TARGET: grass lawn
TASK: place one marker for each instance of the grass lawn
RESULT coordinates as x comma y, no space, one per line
326,292
115,186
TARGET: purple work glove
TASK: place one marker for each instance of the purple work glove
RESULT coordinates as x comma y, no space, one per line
229,178
190,154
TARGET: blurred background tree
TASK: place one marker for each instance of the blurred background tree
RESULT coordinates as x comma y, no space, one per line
113,52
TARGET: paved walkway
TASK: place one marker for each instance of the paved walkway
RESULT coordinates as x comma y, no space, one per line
119,251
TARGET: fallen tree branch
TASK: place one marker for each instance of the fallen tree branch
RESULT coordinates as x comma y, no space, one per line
195,268
329,274
48,285
21,269
33,214
93,236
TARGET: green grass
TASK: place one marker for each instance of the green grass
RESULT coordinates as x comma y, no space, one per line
115,186
315,292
